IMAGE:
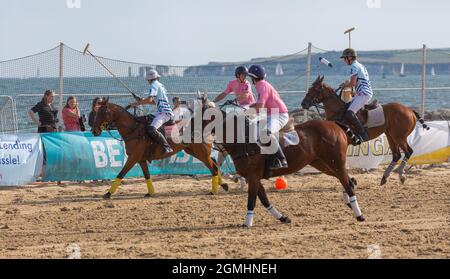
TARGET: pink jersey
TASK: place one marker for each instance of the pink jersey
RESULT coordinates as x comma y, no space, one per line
269,97
239,88
70,122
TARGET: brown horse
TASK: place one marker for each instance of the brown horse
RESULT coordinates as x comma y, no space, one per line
140,149
400,121
323,145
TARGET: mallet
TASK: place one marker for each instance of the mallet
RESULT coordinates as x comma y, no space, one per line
86,50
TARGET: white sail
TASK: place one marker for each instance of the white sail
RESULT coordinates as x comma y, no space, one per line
402,70
433,73
279,70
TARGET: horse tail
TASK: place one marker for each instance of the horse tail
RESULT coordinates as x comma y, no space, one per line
420,119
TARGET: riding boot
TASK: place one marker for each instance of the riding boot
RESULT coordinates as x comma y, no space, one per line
279,161
158,138
352,119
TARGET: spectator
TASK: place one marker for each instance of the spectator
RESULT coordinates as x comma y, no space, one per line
46,112
71,115
95,106
181,114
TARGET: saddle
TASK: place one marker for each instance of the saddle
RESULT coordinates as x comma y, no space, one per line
371,115
147,119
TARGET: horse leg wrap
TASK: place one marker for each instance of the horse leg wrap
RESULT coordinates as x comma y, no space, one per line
345,198
356,210
389,169
219,174
402,166
150,188
116,183
215,185
275,213
249,218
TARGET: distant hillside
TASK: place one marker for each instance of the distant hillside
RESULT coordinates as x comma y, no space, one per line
377,62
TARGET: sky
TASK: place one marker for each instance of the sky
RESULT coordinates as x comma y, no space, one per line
191,32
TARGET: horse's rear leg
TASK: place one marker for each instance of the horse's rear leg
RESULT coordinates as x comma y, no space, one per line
408,153
262,195
202,153
118,181
148,179
396,156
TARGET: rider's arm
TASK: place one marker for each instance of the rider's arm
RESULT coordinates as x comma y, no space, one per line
220,97
351,82
149,100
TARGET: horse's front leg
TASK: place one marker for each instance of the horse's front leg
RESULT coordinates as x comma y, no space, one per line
148,179
253,188
262,195
131,161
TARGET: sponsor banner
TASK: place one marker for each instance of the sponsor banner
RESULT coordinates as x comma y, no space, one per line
82,156
21,159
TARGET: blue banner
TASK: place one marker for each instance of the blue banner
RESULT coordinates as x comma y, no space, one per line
81,156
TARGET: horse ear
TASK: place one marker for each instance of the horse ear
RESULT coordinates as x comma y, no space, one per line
106,100
317,79
322,78
205,95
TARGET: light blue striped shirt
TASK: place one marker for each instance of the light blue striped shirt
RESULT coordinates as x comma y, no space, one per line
159,93
363,84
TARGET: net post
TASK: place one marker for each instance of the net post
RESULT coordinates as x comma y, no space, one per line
61,83
424,72
308,74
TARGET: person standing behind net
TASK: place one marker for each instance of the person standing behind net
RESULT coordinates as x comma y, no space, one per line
71,115
46,112
157,96
94,109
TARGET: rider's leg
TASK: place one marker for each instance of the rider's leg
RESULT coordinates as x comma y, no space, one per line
274,124
155,135
350,116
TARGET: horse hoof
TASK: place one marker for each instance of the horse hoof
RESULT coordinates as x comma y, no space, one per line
402,180
107,196
360,219
147,195
225,187
212,194
244,226
285,220
383,181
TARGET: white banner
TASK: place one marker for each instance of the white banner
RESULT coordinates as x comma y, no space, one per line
429,146
21,159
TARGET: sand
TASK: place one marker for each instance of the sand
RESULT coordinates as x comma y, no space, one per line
182,221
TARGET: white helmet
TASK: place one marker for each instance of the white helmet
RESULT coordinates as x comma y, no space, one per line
152,74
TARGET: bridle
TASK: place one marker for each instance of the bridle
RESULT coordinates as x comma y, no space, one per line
105,124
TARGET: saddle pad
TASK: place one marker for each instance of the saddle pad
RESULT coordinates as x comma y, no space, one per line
375,117
290,138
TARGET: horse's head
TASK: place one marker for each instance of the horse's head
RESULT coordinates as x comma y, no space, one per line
315,94
103,117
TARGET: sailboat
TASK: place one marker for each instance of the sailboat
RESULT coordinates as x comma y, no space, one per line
402,70
383,74
433,73
279,70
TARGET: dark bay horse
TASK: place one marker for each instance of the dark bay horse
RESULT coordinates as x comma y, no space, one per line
400,121
140,149
323,145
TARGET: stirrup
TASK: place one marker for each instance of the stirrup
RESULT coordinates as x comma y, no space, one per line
278,164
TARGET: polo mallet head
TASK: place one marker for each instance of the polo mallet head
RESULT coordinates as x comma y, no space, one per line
86,49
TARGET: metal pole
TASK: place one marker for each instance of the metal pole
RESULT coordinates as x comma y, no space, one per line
61,82
308,75
424,72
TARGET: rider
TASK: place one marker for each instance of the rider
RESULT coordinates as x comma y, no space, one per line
359,78
157,96
241,87
244,96
269,99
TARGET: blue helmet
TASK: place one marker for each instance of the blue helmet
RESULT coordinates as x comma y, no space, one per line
241,70
257,71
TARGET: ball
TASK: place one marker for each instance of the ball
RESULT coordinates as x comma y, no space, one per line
280,183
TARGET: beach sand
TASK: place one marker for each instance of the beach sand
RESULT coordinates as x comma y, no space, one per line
44,220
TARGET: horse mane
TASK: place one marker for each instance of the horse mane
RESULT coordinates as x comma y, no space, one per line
126,111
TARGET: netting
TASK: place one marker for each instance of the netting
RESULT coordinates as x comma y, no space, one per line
8,119
395,76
